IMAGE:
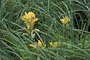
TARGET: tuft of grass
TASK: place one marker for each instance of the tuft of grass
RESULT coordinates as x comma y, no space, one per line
75,41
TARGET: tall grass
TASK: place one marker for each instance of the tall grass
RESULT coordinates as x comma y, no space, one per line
14,40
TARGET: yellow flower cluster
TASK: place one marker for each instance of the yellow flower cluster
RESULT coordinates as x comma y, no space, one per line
65,20
38,44
29,19
55,44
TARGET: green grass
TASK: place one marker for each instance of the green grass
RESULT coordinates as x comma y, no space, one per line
75,42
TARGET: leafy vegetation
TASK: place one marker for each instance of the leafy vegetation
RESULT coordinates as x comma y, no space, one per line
61,30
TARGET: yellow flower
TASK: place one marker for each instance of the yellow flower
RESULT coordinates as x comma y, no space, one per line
65,20
38,44
32,45
55,44
29,19
51,43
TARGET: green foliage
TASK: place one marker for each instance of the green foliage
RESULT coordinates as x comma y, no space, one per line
75,41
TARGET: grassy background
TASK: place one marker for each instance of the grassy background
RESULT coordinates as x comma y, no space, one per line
14,41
